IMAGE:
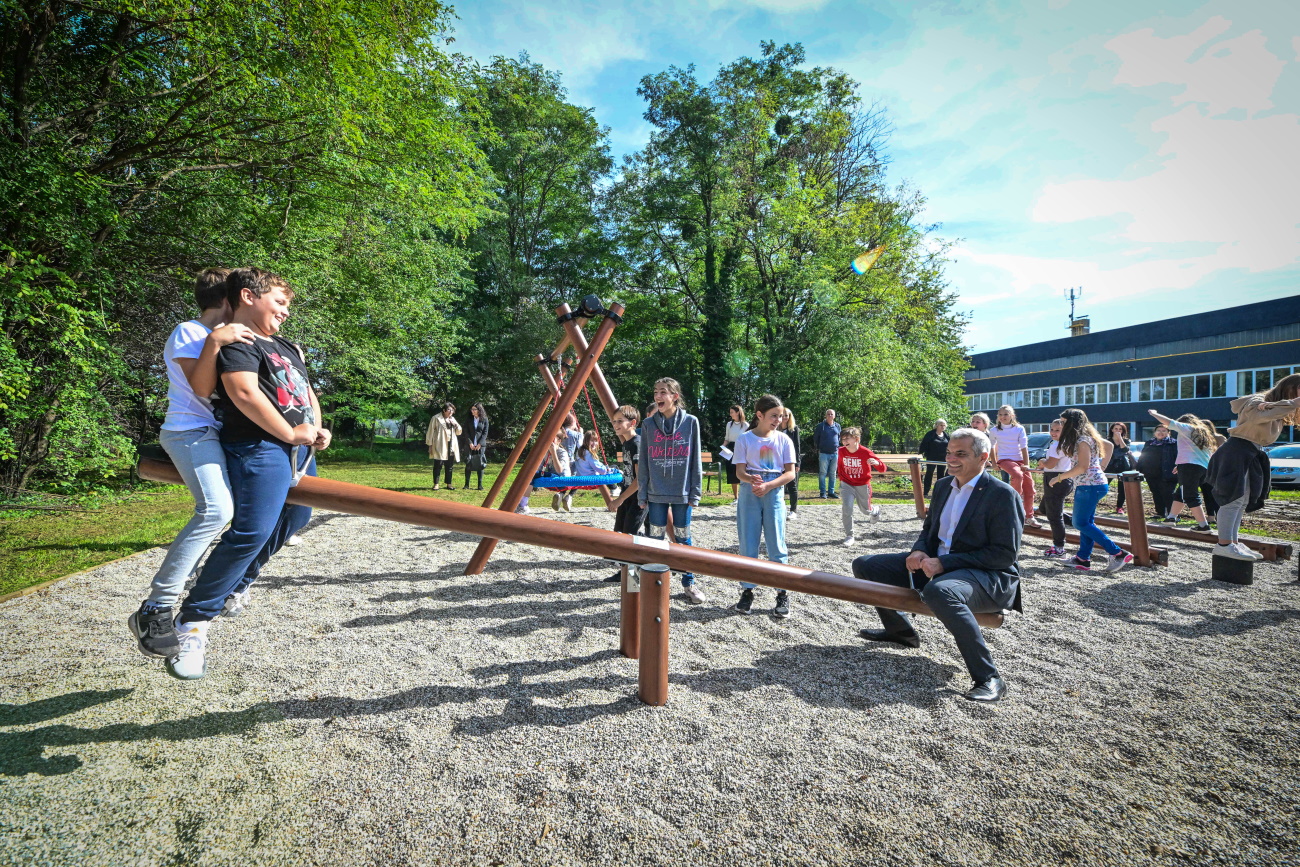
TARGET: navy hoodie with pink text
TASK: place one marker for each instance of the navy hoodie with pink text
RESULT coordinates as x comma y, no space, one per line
668,465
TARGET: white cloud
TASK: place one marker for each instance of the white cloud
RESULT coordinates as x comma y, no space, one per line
1228,182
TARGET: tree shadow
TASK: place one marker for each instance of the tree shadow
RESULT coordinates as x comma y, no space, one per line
1133,603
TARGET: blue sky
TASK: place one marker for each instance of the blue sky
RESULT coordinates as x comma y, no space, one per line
1144,151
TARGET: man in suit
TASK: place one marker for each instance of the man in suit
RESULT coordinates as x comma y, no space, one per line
963,563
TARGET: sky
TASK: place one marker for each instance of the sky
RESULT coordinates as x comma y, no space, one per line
1144,152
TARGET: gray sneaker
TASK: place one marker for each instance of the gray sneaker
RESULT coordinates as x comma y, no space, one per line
782,608
155,633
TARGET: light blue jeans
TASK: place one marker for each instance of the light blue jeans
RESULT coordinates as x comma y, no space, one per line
827,467
201,461
763,516
656,527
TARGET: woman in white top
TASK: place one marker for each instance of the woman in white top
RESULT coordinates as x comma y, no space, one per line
735,427
1081,442
1011,447
444,445
1053,505
765,464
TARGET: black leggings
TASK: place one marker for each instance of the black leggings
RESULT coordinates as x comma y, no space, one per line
792,488
1053,506
1190,478
936,471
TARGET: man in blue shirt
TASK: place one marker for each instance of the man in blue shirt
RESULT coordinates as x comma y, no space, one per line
826,439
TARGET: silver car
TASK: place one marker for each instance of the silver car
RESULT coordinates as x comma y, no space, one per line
1285,460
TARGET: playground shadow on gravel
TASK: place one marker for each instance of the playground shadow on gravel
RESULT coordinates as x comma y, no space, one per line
1134,603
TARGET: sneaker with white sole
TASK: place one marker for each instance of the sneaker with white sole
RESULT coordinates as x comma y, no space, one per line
1053,551
556,501
1031,521
693,594
746,602
782,608
1118,561
293,541
790,516
875,514
568,502
849,542
236,603
522,508
154,631
190,664
1077,562
1236,551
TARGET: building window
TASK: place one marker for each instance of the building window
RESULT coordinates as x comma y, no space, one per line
1114,392
1144,390
1218,385
1203,385
1090,394
1126,392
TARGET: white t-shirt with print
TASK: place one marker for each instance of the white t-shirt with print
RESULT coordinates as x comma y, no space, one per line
185,409
767,455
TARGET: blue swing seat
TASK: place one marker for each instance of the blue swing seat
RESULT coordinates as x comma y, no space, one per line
577,481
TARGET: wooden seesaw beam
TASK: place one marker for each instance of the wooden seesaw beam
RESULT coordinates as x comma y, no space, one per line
639,550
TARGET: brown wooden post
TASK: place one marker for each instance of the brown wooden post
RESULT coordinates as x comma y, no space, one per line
604,393
533,461
918,495
652,673
629,613
1136,513
524,437
552,387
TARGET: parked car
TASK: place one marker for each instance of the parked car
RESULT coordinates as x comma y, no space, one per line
1038,443
1285,460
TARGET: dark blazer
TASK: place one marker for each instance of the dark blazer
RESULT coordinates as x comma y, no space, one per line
476,436
987,538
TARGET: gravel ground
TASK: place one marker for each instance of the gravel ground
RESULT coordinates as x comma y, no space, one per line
376,707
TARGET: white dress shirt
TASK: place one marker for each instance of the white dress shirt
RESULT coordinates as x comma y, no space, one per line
958,497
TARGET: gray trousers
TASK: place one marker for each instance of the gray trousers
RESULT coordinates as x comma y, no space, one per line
851,495
954,597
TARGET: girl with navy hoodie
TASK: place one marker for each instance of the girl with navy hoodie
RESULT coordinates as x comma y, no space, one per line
670,471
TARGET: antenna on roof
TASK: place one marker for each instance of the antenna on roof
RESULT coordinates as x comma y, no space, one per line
1080,324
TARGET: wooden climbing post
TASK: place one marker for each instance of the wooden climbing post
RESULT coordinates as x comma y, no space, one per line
918,495
652,673
1136,514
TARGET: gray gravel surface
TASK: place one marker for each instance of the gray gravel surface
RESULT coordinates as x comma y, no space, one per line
374,706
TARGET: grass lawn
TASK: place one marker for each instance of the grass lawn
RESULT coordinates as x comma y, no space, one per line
37,546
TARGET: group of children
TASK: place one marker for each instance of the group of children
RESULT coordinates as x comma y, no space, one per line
242,424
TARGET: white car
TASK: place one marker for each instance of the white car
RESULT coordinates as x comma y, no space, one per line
1285,461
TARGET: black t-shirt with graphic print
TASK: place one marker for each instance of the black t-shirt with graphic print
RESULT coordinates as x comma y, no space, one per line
281,376
628,464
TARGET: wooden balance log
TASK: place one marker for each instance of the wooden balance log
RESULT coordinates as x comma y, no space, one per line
619,547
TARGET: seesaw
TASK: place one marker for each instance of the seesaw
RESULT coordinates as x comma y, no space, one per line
644,609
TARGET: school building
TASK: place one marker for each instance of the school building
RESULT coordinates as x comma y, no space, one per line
1193,364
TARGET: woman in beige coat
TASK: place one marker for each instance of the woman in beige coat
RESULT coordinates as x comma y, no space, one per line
444,447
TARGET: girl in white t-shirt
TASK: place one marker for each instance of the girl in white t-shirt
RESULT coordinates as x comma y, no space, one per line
190,436
765,464
1053,505
1011,447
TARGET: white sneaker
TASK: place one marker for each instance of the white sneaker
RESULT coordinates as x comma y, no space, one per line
850,541
1235,551
790,516
615,491
568,502
293,540
556,501
875,514
1031,521
693,594
522,509
189,664
236,603
1251,551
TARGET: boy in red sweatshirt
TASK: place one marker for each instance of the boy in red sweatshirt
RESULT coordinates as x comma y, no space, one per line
855,463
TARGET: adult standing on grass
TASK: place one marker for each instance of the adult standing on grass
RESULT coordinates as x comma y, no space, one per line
826,439
735,427
444,448
963,563
1158,464
1240,471
934,450
1196,442
476,444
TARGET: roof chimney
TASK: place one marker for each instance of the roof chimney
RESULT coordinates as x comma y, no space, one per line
1080,326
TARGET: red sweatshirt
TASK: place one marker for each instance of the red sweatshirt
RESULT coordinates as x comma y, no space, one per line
855,467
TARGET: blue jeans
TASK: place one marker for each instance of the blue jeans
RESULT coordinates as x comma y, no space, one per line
827,467
199,458
1086,498
656,524
764,516
260,473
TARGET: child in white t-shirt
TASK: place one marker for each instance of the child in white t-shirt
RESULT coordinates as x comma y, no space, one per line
190,436
765,464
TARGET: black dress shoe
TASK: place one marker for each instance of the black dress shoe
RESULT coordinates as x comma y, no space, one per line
993,689
616,578
912,640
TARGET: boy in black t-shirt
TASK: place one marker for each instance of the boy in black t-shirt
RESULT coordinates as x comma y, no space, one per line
631,515
269,417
